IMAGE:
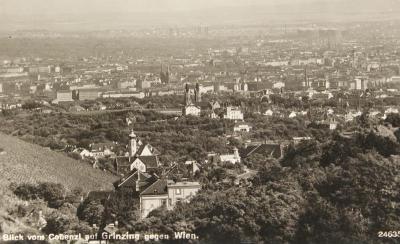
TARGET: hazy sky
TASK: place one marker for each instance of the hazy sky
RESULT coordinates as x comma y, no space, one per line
92,14
22,7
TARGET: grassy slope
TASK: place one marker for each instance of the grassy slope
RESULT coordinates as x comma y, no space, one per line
25,162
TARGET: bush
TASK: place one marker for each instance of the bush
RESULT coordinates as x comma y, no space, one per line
31,105
393,119
26,192
57,224
74,197
91,212
52,193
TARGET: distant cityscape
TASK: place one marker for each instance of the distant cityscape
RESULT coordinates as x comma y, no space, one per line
247,133
314,62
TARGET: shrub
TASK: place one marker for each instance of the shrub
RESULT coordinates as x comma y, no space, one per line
26,192
52,193
91,212
57,223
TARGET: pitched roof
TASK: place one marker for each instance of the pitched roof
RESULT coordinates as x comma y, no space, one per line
203,105
123,161
181,170
171,169
157,188
150,161
185,184
273,150
134,176
192,105
111,228
143,146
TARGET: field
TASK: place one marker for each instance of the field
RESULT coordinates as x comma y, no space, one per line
25,162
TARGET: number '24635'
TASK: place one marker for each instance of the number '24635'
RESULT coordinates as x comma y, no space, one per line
389,234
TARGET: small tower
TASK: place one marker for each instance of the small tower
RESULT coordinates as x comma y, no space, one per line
167,74
187,95
306,78
162,75
197,93
132,144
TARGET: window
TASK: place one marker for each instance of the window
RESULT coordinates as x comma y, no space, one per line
164,202
178,191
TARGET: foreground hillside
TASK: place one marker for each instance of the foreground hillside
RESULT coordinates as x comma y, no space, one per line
25,162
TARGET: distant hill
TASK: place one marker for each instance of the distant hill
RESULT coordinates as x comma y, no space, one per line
25,162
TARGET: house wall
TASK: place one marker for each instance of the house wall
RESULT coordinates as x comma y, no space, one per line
192,110
139,165
185,193
231,158
64,96
241,128
233,114
88,95
149,203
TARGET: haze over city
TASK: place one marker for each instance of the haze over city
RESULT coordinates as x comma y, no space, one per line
105,14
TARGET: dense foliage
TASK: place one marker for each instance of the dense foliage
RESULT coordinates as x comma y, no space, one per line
342,190
177,138
336,188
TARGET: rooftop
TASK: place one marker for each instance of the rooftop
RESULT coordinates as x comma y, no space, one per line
184,184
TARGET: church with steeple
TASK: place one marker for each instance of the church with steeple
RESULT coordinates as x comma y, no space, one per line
139,155
164,76
190,107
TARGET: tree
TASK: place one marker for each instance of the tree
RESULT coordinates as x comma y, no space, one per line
31,105
52,193
91,212
57,224
26,191
123,206
393,119
256,161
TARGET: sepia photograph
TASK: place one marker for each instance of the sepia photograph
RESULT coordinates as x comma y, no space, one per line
199,121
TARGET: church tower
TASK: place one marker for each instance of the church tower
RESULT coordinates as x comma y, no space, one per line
164,76
306,80
197,95
167,74
132,144
187,95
